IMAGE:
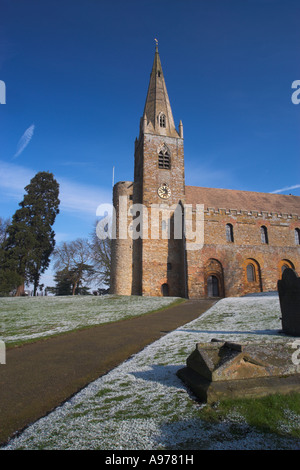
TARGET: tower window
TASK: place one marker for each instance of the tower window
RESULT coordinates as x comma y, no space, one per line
297,236
162,120
264,234
164,160
229,232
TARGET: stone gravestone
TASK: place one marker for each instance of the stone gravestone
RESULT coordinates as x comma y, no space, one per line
218,370
289,298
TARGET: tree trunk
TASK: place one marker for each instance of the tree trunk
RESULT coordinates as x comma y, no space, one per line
20,290
74,288
35,286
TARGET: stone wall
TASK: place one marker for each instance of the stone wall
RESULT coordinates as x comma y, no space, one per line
228,260
121,255
144,266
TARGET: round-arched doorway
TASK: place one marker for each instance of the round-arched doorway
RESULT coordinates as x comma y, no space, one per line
165,290
213,286
213,278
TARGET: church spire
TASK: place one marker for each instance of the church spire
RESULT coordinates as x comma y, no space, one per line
158,117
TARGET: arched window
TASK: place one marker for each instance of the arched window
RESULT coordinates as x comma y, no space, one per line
162,120
297,236
250,273
164,160
285,263
252,276
229,233
264,234
169,266
283,267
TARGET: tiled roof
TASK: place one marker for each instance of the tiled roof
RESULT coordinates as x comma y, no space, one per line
242,200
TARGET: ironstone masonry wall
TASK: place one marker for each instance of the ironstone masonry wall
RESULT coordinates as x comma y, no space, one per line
228,261
158,262
121,250
163,260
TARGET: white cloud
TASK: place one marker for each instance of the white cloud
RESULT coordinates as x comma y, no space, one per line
13,179
288,188
81,198
24,141
76,198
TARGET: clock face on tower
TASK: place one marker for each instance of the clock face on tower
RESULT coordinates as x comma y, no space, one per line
164,191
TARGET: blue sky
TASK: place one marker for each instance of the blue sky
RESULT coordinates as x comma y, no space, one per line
77,73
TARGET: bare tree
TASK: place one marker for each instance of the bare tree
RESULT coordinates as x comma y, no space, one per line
75,258
101,255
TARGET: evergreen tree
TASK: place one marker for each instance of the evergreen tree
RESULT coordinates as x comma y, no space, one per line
63,283
4,224
30,239
9,282
69,282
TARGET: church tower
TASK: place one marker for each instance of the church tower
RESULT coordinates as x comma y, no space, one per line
159,187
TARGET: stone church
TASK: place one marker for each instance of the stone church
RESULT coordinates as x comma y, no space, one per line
247,238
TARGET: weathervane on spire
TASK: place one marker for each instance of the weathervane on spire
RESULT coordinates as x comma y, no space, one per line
156,42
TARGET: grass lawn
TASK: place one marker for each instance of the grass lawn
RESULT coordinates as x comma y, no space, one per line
142,404
24,319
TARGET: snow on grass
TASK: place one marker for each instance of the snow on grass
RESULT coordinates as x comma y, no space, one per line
28,318
143,405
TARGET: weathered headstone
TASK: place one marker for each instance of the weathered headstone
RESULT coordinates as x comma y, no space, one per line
289,298
219,370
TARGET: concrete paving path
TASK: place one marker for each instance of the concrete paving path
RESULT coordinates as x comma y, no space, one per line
38,377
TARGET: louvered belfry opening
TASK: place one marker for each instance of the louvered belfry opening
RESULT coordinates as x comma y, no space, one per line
164,160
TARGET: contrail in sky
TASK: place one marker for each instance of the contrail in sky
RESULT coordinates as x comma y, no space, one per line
296,186
24,141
